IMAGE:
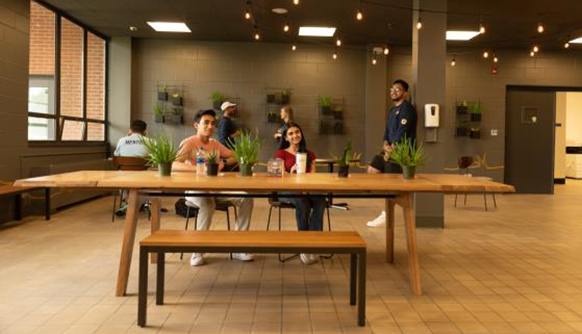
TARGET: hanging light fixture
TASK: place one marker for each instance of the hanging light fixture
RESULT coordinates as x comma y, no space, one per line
295,2
359,15
338,42
536,49
374,61
482,29
532,54
286,27
419,23
486,54
566,45
453,62
334,56
293,47
495,59
386,51
247,11
541,28
257,35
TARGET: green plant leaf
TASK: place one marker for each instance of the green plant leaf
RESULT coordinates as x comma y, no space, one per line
160,149
246,148
406,153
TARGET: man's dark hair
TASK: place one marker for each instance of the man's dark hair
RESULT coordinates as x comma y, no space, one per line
138,126
402,83
202,113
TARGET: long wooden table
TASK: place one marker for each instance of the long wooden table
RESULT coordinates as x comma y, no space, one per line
393,187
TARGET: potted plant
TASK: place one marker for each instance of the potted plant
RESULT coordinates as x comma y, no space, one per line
163,94
159,114
325,104
176,99
476,110
285,97
217,99
461,129
175,117
406,154
462,108
272,117
246,151
475,133
212,163
161,151
271,98
344,160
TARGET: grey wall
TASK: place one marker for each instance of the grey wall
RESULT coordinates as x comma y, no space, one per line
471,80
244,71
119,90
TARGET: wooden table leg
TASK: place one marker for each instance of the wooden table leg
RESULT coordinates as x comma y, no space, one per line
407,203
389,231
127,245
155,207
142,294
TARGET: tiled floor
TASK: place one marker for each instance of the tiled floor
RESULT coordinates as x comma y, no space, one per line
514,270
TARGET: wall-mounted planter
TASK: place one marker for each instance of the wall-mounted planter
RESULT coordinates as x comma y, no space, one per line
271,98
462,110
285,98
177,101
216,105
159,118
338,114
461,132
162,96
326,111
338,128
475,134
173,119
475,117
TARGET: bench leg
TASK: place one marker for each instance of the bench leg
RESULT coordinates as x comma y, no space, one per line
160,279
155,206
389,231
362,289
142,294
353,277
47,203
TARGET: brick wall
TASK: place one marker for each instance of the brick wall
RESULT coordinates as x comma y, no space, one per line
42,41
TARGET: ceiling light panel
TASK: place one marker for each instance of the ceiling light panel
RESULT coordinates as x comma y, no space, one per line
169,26
577,40
317,31
453,35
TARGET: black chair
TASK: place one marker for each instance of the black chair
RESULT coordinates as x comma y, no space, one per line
274,202
220,206
464,163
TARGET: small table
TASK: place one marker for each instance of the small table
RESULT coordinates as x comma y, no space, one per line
330,163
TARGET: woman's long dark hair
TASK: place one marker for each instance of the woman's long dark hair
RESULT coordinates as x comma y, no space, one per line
284,144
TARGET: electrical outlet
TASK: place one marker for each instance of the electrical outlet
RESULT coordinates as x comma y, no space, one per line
494,132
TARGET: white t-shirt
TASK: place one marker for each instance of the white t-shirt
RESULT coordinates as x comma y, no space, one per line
130,146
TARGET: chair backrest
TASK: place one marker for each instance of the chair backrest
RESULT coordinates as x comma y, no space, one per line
130,163
464,162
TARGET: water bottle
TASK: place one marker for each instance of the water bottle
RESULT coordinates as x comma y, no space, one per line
200,161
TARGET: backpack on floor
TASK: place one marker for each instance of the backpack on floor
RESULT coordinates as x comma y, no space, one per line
182,208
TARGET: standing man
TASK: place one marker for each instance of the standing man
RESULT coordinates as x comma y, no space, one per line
205,124
401,123
132,145
227,128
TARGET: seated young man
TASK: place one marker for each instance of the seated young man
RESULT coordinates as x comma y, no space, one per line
205,124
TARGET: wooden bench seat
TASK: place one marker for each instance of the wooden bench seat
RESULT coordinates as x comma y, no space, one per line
176,241
10,190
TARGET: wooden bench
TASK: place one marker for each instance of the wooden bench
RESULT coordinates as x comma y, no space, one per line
175,241
10,190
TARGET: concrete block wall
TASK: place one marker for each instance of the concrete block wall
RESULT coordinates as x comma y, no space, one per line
244,72
472,80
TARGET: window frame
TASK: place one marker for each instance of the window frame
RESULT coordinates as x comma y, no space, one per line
58,119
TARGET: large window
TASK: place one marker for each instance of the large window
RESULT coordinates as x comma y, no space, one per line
66,94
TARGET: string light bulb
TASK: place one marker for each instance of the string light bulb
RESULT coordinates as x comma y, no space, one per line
286,27
532,54
257,36
334,56
453,62
482,29
486,54
295,2
566,45
338,42
536,49
495,59
386,51
247,15
374,61
419,22
541,28
293,47
359,15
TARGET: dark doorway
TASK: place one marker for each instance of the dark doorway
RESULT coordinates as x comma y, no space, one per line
529,139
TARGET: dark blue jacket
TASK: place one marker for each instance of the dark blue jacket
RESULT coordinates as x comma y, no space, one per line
401,122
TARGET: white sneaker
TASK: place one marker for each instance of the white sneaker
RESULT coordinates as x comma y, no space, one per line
243,256
379,221
196,260
307,258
